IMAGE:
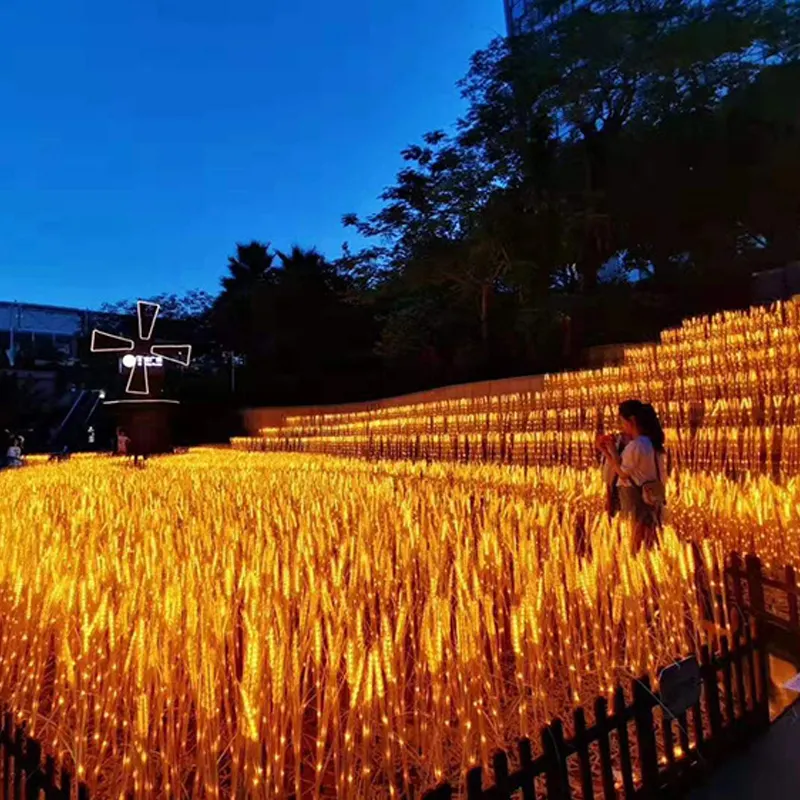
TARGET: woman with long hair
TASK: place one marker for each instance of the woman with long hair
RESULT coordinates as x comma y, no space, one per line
641,470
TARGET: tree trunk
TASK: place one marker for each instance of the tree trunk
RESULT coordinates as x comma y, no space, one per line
596,233
485,294
591,263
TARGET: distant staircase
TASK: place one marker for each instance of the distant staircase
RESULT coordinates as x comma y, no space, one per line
72,431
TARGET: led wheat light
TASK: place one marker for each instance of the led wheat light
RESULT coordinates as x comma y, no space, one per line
267,625
139,364
229,624
725,389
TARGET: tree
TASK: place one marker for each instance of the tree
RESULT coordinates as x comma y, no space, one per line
237,315
598,70
437,229
192,305
292,316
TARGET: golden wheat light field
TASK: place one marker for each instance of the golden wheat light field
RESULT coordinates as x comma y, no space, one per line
230,624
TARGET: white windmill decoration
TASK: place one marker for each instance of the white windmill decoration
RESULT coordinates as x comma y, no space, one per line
140,355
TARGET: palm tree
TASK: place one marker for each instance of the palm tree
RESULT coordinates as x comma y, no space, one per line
252,264
240,313
307,271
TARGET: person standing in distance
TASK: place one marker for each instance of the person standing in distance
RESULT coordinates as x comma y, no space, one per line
123,441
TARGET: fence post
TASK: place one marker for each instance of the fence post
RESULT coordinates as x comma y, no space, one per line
500,766
475,784
711,685
718,596
443,792
737,573
526,763
49,775
555,760
66,784
625,761
792,597
8,741
19,743
645,734
601,715
582,749
32,762
762,667
701,583
755,584
738,656
727,680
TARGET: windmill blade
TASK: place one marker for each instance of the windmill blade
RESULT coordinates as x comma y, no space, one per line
103,342
138,380
176,353
146,313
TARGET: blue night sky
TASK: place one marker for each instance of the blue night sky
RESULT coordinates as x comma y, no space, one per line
141,139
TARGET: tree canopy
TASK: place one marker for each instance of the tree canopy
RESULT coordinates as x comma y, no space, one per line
622,165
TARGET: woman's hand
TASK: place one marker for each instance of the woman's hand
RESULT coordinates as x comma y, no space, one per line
605,443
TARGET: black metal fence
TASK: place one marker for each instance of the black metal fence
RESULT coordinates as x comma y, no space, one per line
634,743
24,775
641,748
636,746
772,600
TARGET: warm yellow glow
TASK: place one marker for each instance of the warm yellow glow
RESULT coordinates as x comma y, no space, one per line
231,624
282,623
724,388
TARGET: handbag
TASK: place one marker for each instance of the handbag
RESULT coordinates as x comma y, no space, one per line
654,493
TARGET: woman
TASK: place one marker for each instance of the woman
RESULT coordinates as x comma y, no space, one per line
14,453
641,469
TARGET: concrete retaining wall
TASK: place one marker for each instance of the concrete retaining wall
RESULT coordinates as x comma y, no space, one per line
257,418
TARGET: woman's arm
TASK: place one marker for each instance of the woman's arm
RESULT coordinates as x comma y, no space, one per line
615,461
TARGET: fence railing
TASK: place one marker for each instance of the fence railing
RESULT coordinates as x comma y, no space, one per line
24,776
640,744
772,600
644,760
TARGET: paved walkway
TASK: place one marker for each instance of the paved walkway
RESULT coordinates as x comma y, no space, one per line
768,770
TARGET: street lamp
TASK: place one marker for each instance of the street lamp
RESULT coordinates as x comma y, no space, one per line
234,359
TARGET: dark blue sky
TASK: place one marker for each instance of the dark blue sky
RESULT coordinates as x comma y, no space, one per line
141,139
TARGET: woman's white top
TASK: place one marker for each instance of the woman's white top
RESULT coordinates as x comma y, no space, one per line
639,461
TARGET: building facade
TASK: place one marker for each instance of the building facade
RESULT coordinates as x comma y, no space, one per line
31,335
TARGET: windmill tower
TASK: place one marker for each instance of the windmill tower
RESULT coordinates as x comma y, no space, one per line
140,411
